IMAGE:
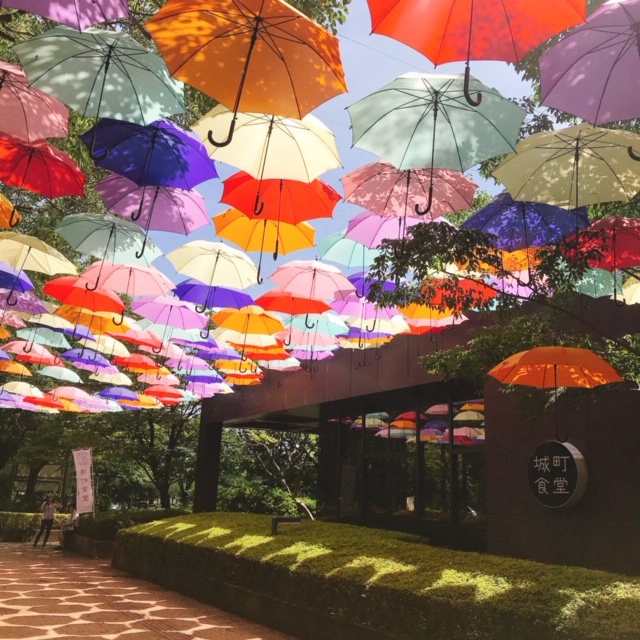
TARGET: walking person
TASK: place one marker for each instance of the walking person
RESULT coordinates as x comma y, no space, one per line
48,510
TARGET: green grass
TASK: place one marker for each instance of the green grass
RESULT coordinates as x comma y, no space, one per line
389,581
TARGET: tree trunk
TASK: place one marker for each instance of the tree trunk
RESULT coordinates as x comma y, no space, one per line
30,500
165,501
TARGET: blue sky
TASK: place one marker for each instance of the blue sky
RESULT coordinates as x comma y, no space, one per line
370,61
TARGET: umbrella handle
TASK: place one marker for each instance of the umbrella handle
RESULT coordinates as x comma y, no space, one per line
9,301
14,219
258,207
226,142
423,212
558,438
140,253
372,328
360,342
200,309
156,350
360,295
467,93
29,350
93,287
205,334
121,319
259,280
632,154
306,322
287,342
275,253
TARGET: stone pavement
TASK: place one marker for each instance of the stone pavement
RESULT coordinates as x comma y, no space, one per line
49,594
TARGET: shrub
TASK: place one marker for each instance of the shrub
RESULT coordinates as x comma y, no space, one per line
105,525
20,527
390,582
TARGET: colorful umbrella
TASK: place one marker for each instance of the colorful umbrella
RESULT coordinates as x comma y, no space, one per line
21,301
132,280
20,388
39,168
14,368
98,321
469,416
26,252
106,344
423,120
573,167
215,264
172,312
60,373
72,291
370,229
271,58
286,302
29,114
107,237
597,283
159,154
136,362
288,201
587,73
9,217
44,336
520,225
153,378
206,297
271,147
117,393
263,234
345,251
85,359
452,31
101,73
381,188
248,320
116,378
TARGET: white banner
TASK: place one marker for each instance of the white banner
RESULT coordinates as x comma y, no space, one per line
83,459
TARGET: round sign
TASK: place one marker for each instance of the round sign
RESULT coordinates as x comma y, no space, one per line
557,474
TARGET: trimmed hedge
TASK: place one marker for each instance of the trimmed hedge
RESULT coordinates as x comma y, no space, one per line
105,526
389,582
20,527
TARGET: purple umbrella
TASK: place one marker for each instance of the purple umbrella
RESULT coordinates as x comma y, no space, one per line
205,390
22,301
154,208
159,154
78,14
592,71
206,297
310,354
354,307
363,286
86,359
219,353
171,312
200,376
188,363
370,229
439,425
11,278
117,393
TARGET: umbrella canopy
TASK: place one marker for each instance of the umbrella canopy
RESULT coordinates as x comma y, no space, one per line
98,321
288,201
60,373
169,311
206,297
597,283
381,188
286,302
153,378
21,301
39,167
14,368
573,167
101,73
248,320
106,344
85,358
587,73
117,393
20,388
132,280
136,362
44,336
159,154
469,416
215,264
370,229
520,225
271,147
553,367
312,279
73,291
345,251
107,237
29,114
272,58
423,120
154,207
26,252
9,217
78,14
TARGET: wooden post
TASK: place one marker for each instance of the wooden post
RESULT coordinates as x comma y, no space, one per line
207,467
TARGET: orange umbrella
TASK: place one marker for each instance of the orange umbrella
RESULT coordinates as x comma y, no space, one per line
14,368
71,290
553,367
95,321
268,57
4,334
136,362
9,217
248,320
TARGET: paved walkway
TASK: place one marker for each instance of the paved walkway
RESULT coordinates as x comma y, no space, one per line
49,594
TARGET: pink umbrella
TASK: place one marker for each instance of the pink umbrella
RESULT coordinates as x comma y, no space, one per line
152,378
12,320
78,14
188,363
28,113
381,188
168,350
30,351
204,390
132,280
370,229
168,311
309,338
354,307
310,354
154,208
71,393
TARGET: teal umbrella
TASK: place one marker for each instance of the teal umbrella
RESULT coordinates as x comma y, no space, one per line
326,324
598,283
101,73
60,373
45,336
108,237
336,248
422,120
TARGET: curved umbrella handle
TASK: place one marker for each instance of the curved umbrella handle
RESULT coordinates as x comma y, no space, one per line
258,207
14,219
29,350
287,341
360,342
157,350
205,334
56,360
259,280
136,216
101,157
372,328
241,370
93,359
140,253
118,323
423,212
632,154
306,322
200,309
11,303
226,142
467,93
89,287
360,295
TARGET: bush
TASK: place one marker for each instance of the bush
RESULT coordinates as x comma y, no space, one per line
105,525
389,582
20,527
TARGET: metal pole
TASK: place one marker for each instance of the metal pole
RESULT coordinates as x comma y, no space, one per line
453,468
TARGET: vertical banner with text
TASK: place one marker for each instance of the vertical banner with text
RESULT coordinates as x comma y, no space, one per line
83,459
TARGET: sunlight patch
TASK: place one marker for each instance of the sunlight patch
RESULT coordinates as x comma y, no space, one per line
208,534
152,525
248,542
302,551
381,567
177,528
485,586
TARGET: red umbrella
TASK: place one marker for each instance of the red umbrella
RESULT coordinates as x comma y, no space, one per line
38,167
139,337
47,401
72,291
30,352
136,362
289,303
288,201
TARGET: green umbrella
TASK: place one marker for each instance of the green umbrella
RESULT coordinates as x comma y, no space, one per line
107,237
101,73
597,283
336,248
61,373
45,336
422,120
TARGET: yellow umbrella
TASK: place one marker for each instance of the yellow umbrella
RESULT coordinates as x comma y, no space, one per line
99,321
26,252
4,334
106,344
251,319
22,389
14,368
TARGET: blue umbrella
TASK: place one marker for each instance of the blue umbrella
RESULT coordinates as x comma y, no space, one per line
117,393
206,297
204,376
11,278
363,286
159,154
520,225
84,357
